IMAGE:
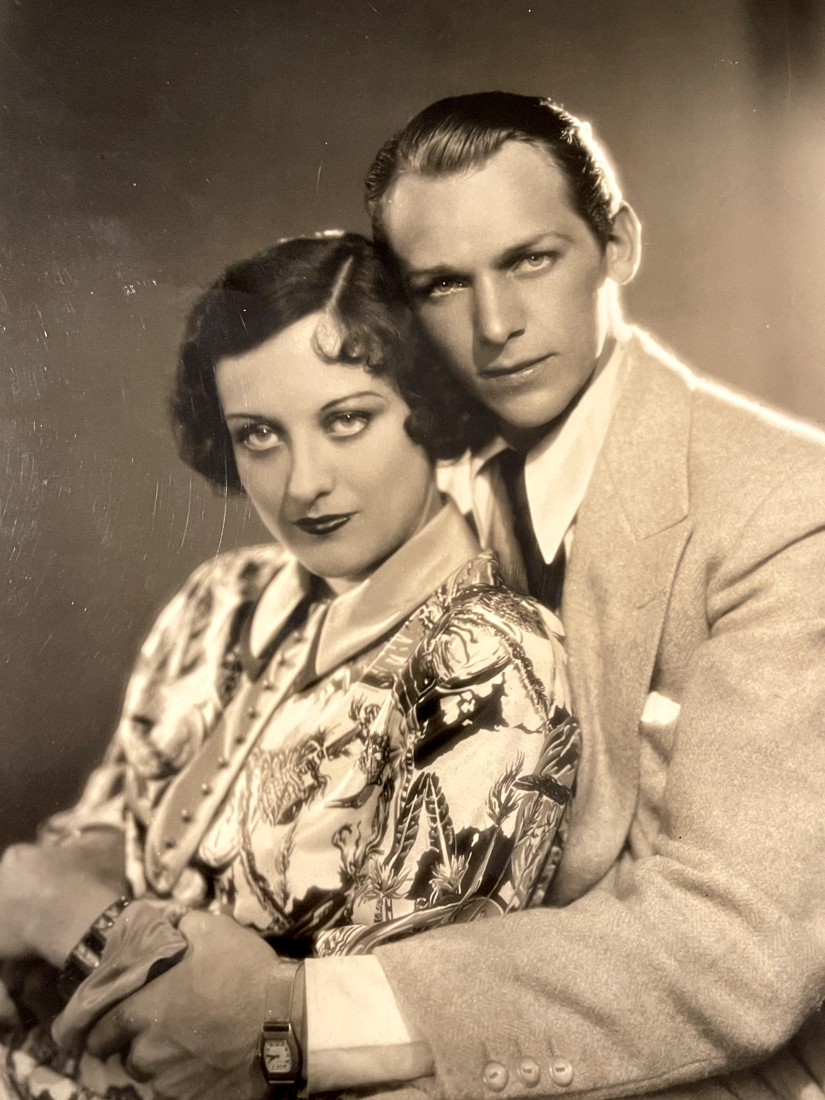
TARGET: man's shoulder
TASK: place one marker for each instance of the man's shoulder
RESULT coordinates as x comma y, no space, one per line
722,417
680,442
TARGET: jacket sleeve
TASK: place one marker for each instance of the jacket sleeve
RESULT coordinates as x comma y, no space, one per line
707,955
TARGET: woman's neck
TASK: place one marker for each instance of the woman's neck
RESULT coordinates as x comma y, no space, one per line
432,505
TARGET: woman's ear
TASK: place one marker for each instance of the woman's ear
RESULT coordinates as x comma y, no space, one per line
624,247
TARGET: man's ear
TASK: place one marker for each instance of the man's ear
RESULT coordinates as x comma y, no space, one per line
624,248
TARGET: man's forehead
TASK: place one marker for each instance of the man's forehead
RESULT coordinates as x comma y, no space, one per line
515,195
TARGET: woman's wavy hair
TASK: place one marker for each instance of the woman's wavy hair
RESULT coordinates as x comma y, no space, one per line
343,276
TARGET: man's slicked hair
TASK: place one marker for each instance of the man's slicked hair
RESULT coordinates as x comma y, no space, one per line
462,132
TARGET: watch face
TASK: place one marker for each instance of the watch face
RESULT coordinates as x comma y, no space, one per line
277,1056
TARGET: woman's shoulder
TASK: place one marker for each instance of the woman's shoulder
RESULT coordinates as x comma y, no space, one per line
242,573
213,594
477,590
478,626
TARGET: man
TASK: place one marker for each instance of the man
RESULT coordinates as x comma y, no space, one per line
691,941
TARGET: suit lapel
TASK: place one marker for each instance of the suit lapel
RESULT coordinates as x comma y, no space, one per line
630,533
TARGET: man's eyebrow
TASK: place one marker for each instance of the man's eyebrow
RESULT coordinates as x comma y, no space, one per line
506,257
430,272
537,241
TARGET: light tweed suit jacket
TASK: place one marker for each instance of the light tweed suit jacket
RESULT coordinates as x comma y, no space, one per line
689,942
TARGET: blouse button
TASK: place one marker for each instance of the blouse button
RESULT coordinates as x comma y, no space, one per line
529,1072
206,788
240,737
495,1076
186,815
170,842
561,1071
252,712
222,762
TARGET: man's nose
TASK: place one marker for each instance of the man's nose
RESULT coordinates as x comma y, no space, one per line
499,313
310,472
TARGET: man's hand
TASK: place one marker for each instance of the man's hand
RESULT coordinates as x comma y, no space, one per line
50,894
193,1032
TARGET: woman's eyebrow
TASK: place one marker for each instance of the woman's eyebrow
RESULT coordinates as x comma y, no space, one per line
246,415
350,397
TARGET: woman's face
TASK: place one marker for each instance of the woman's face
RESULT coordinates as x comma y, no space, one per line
323,455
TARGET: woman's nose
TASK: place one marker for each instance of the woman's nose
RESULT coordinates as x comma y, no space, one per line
499,312
310,473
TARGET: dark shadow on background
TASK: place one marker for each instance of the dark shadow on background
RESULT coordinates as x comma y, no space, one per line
787,38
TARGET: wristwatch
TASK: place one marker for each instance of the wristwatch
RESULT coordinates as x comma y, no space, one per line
280,1053
280,1047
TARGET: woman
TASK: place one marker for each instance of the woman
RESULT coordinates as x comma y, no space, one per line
347,736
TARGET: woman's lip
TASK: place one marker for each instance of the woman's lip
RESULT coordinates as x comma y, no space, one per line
324,525
492,373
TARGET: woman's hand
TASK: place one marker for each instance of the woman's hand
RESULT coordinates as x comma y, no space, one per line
49,895
193,1032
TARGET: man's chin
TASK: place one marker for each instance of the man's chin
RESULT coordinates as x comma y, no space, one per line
524,415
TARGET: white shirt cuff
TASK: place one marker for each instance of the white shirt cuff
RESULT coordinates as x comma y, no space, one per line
356,1034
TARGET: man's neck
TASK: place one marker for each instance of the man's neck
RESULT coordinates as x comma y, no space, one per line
525,439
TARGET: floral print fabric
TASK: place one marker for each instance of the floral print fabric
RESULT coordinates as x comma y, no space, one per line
423,780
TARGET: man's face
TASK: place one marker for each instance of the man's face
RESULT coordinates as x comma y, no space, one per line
507,279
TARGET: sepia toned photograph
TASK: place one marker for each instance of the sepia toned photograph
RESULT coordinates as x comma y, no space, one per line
412,517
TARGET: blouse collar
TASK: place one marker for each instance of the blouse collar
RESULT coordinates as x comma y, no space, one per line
359,617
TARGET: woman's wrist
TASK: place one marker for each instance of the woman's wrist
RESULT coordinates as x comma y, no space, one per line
87,952
54,939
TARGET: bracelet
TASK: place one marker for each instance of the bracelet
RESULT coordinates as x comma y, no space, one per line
85,956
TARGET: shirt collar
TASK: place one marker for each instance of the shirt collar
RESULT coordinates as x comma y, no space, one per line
359,617
558,469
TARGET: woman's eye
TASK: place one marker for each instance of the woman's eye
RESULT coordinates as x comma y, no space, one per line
258,437
347,424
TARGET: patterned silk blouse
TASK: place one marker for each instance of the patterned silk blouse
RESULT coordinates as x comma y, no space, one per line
335,772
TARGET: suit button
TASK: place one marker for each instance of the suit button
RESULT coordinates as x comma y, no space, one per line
529,1072
561,1071
495,1076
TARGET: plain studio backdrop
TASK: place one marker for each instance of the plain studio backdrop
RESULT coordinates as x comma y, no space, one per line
145,145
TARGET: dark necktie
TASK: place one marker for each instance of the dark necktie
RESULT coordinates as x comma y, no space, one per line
544,581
